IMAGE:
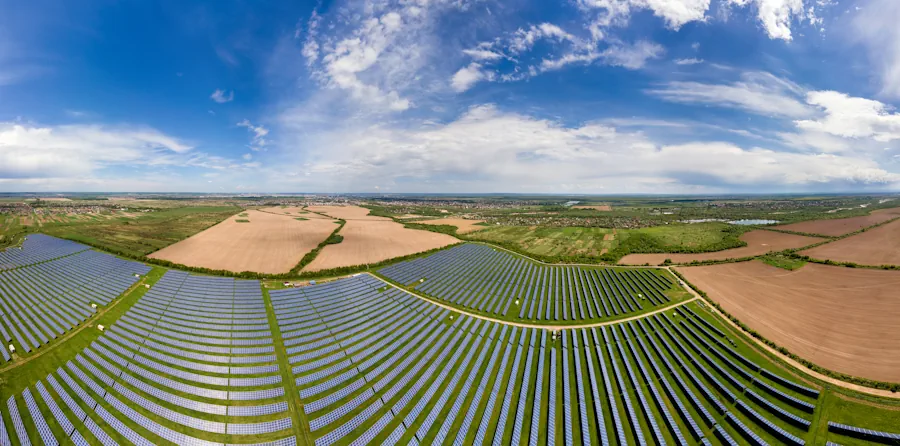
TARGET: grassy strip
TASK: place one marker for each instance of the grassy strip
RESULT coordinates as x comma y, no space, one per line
310,256
883,385
783,261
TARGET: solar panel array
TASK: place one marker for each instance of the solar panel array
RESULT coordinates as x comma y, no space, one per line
385,367
193,362
38,248
489,280
50,286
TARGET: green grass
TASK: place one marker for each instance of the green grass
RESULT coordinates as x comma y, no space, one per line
551,242
300,219
241,220
147,233
594,245
783,261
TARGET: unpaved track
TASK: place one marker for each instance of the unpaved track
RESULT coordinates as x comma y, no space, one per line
879,246
269,243
758,242
369,239
843,319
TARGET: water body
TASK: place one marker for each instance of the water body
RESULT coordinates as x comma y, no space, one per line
753,222
746,222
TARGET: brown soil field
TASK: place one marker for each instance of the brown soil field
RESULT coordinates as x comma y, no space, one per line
604,208
758,242
268,244
841,226
879,246
369,239
463,226
607,237
843,319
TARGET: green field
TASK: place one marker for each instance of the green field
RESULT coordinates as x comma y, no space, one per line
145,234
587,245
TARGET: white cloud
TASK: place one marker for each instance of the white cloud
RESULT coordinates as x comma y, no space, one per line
676,13
851,117
876,27
345,62
258,140
633,56
31,151
775,16
757,92
247,157
691,61
486,149
221,96
524,39
482,54
466,77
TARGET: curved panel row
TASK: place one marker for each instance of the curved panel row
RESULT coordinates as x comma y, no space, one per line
489,280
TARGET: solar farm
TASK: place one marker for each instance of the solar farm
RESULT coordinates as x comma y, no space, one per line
209,360
491,281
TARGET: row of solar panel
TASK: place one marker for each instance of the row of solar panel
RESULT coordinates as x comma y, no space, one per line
482,278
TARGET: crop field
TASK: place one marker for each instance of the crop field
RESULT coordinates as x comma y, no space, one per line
142,235
878,246
501,285
840,226
212,361
261,242
369,239
463,226
843,319
758,242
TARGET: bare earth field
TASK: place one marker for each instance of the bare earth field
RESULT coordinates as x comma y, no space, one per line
369,239
841,226
604,207
267,244
758,242
879,246
843,319
463,226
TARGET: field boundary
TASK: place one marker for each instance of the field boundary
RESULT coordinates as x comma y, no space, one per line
853,383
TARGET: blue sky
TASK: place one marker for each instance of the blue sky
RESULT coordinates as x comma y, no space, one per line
573,96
